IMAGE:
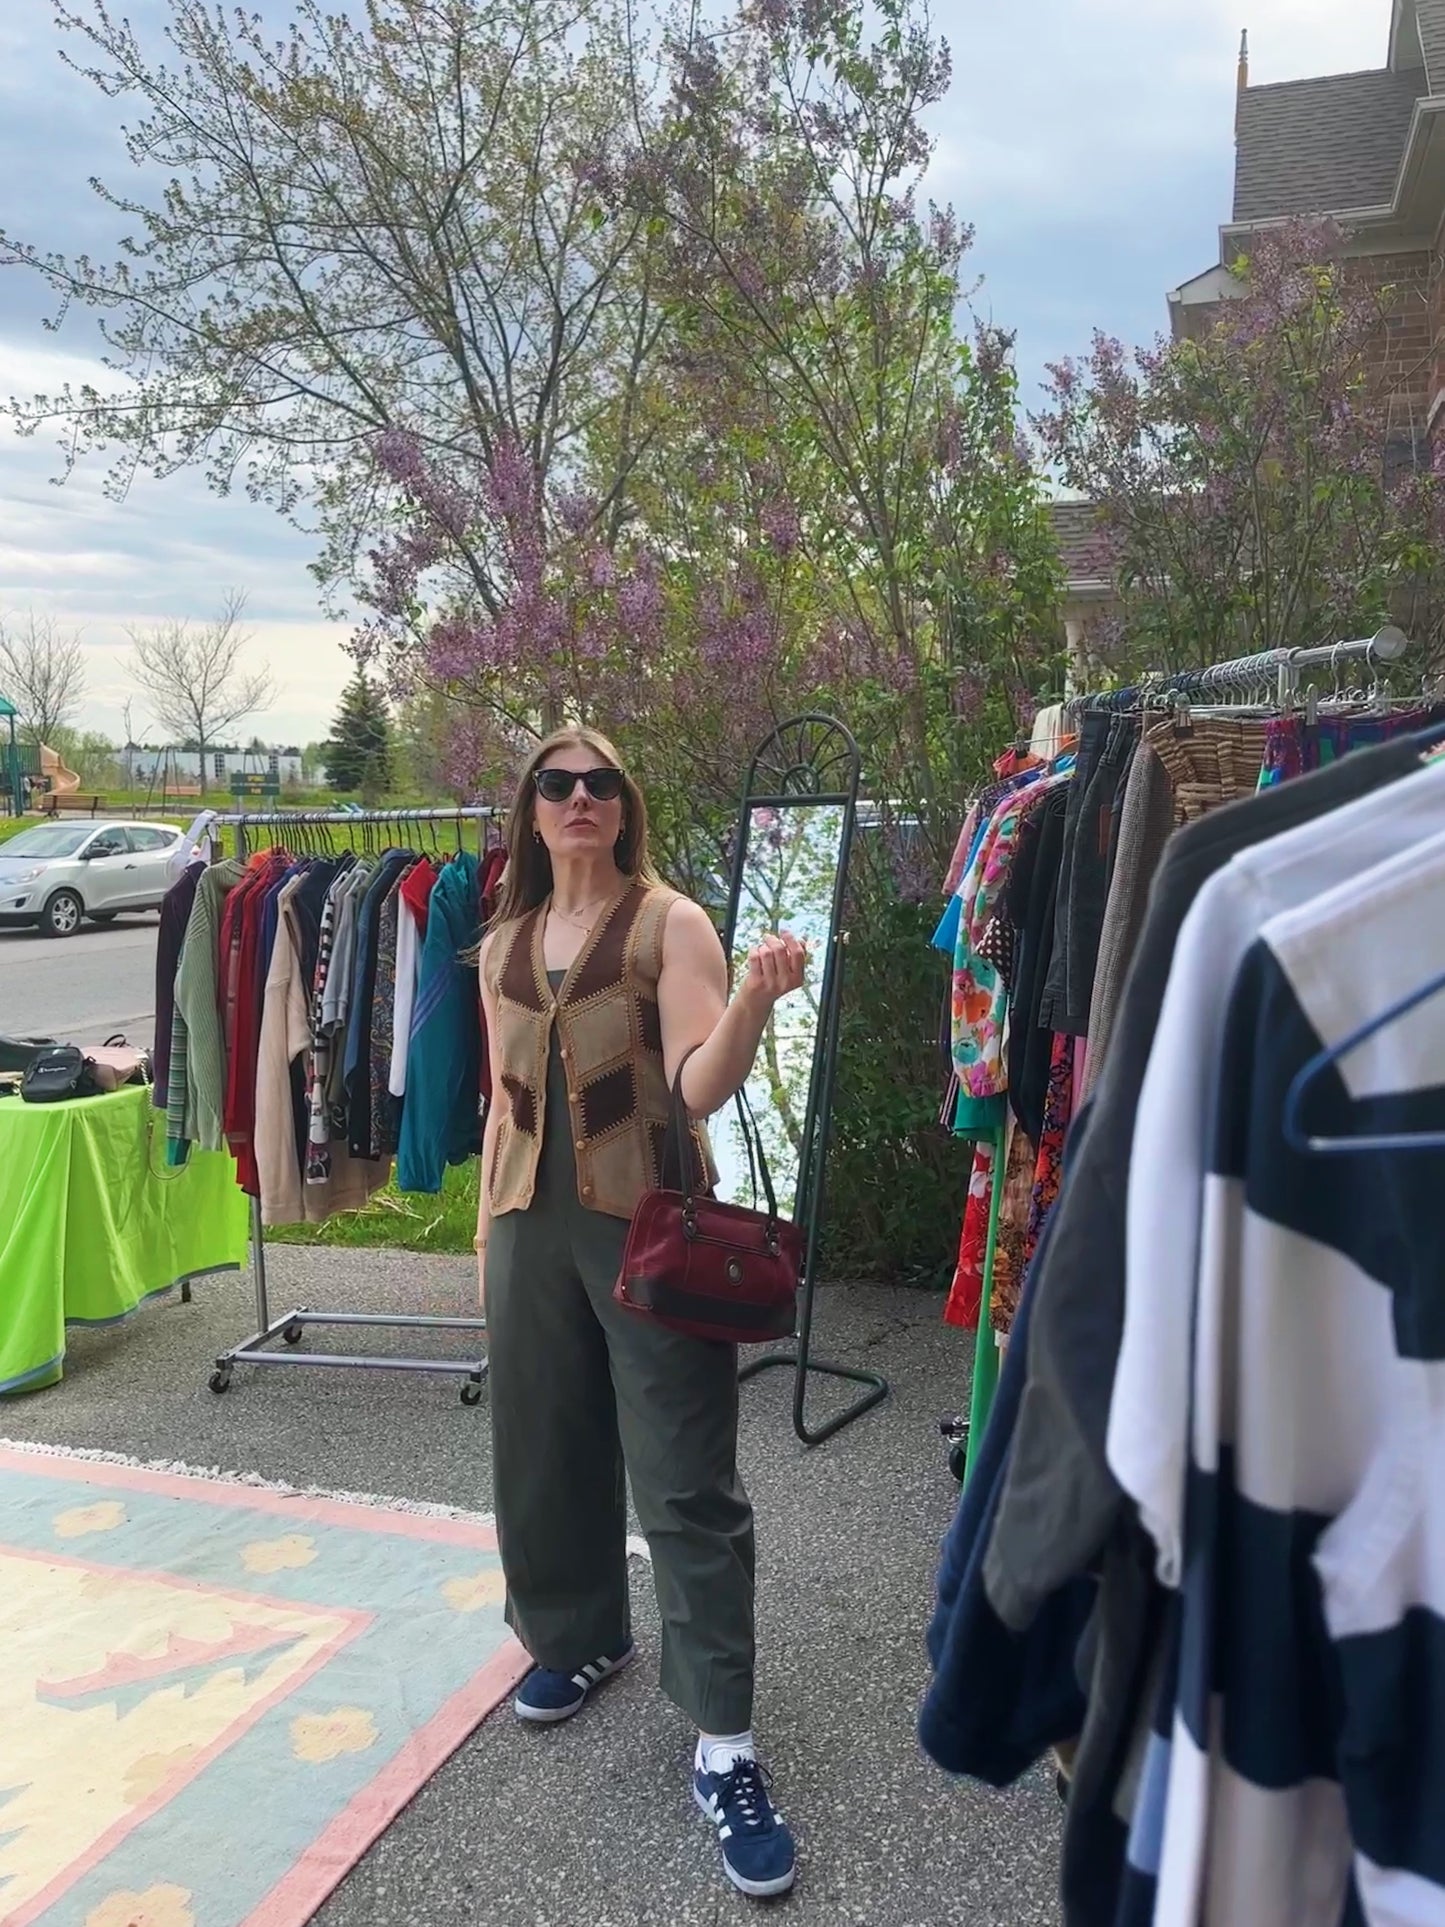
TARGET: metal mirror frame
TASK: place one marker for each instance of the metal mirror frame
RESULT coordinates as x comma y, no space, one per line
810,760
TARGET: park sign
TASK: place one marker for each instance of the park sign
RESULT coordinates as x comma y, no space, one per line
263,784
8,709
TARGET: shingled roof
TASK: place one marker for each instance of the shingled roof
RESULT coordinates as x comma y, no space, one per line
1330,146
1431,16
1076,531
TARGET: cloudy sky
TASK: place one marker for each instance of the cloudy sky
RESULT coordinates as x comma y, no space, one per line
1089,141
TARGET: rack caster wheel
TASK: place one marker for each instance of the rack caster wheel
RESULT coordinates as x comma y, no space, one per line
472,1392
220,1380
293,1334
955,1433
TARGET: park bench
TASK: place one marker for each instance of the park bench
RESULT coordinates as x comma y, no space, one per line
58,801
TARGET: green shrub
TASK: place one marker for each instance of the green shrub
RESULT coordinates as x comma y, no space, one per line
896,1180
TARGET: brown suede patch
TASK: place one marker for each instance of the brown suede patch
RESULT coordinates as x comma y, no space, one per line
649,1025
602,969
656,1152
517,983
608,1101
523,1102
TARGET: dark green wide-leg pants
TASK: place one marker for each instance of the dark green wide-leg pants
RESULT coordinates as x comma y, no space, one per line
580,1390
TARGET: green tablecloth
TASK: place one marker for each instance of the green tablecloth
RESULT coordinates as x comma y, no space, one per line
92,1222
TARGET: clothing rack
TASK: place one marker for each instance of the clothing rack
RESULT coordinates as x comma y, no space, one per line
242,820
1278,666
1240,674
291,1326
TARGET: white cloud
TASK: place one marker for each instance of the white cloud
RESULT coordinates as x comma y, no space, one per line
168,550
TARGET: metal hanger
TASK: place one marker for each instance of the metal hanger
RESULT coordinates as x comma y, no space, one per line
1299,1139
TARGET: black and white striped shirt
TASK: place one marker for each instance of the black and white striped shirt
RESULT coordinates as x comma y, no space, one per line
1306,1766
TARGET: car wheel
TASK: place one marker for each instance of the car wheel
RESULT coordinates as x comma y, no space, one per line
61,915
104,916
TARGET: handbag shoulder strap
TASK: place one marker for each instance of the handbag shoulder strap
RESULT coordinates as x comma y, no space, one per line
757,1161
679,1132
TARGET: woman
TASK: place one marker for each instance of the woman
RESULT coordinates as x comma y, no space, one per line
597,984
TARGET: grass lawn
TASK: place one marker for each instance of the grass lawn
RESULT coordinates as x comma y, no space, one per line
401,1221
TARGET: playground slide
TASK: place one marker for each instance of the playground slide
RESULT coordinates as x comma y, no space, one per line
63,780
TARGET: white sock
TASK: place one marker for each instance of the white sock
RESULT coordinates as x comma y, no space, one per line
720,1752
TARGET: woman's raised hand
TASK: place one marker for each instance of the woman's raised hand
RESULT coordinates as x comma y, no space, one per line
776,968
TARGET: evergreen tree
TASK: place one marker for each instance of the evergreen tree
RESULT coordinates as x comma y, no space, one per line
358,754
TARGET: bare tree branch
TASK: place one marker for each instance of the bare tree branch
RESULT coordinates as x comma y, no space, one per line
368,223
193,679
42,671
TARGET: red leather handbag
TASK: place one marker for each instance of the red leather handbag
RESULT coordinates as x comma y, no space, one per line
707,1269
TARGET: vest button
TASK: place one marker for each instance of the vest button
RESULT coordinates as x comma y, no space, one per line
581,1144
586,1190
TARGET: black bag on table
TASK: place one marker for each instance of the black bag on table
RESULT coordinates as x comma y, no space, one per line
55,1073
16,1052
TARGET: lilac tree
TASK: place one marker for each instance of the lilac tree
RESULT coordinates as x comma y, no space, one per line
814,309
828,501
1256,487
614,382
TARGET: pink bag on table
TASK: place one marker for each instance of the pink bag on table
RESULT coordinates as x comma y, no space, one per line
118,1063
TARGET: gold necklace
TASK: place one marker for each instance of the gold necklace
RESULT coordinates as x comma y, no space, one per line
579,919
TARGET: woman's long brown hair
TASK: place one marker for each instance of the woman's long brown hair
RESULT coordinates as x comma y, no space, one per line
528,878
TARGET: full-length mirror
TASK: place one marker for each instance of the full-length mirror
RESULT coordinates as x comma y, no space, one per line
789,872
786,878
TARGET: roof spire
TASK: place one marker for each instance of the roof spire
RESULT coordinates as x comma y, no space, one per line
1244,60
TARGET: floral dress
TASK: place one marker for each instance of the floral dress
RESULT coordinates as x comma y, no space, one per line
980,991
980,1010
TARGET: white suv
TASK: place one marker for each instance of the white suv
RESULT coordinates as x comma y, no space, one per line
57,874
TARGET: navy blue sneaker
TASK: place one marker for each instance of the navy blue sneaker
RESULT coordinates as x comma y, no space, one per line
547,1697
757,1849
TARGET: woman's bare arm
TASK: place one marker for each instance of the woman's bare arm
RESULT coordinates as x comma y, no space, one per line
692,995
489,1133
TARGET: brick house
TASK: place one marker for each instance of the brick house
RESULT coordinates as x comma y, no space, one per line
1367,150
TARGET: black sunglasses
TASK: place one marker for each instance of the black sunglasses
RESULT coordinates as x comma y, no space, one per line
556,785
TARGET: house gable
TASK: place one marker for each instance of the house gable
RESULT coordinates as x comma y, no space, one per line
1329,146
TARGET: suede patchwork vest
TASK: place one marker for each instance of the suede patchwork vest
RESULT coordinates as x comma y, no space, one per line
610,1029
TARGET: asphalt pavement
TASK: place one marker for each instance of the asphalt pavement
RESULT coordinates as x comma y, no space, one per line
592,1825
81,989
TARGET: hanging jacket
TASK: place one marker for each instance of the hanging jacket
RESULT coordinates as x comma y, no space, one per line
999,1699
439,1121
